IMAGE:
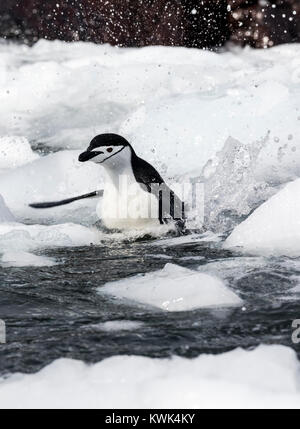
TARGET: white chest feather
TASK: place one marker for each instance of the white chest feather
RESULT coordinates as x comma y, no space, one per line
125,205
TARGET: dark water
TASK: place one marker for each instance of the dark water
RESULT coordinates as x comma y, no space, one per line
49,312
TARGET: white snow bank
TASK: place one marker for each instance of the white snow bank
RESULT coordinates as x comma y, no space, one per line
274,228
15,151
5,213
190,100
174,288
52,178
16,237
25,259
267,377
177,106
247,96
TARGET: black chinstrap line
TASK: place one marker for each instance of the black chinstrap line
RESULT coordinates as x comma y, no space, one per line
112,155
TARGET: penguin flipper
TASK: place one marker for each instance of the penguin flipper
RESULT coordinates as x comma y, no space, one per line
48,205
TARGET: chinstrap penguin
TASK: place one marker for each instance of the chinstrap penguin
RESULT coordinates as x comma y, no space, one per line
135,196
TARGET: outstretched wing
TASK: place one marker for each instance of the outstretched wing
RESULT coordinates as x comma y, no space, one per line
67,201
146,175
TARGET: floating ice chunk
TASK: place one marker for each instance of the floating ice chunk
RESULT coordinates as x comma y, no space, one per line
51,178
174,288
188,239
16,237
267,377
25,259
5,213
159,256
274,228
116,325
15,151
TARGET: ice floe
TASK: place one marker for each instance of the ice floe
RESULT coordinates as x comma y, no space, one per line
273,228
18,237
14,152
51,178
25,259
174,288
237,130
230,120
116,326
18,241
5,213
267,377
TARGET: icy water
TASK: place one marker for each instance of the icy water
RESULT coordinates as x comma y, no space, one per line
51,312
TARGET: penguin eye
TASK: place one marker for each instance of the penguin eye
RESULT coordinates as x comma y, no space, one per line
110,149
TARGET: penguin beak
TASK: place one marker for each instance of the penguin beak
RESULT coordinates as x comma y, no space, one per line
88,155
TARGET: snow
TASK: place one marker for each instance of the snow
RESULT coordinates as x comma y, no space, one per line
174,288
222,96
25,259
267,377
19,237
15,151
52,178
274,228
230,120
5,213
17,240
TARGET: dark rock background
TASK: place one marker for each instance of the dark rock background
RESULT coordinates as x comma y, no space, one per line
202,23
264,23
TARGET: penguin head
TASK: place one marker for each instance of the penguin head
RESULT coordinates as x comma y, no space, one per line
105,147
